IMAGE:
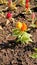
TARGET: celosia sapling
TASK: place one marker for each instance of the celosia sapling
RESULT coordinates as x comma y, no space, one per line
27,6
11,5
9,15
33,17
9,18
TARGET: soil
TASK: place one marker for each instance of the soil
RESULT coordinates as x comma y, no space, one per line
12,53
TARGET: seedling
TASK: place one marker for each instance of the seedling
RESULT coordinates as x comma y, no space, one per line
34,55
27,6
21,34
33,20
9,18
11,5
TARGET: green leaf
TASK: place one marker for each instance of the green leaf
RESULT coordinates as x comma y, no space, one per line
26,37
16,32
34,55
33,25
22,2
22,36
35,49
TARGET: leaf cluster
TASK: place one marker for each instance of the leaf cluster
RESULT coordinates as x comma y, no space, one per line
22,36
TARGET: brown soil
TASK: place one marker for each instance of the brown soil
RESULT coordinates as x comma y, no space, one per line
12,53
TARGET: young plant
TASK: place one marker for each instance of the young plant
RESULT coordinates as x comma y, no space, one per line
34,55
27,6
33,20
21,34
33,17
9,18
11,5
